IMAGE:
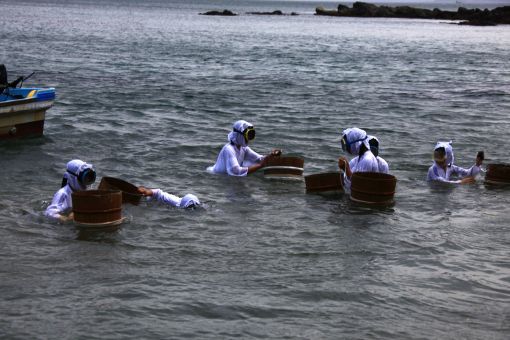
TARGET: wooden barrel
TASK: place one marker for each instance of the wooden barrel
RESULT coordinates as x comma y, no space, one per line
284,166
324,182
373,188
498,173
130,192
97,206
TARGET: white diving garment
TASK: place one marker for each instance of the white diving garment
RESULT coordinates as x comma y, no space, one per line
367,163
235,160
175,201
61,204
236,156
436,173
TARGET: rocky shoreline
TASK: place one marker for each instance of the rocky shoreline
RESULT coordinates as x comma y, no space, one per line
478,17
475,17
229,13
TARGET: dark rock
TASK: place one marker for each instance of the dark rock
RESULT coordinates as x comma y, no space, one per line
385,11
364,9
411,12
277,12
499,15
225,12
329,12
342,8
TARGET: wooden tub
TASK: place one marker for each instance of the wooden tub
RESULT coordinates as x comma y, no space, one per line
97,207
498,174
284,166
326,182
373,188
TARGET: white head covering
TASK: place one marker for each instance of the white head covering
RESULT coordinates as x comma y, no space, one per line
356,137
188,201
371,147
449,151
237,137
73,169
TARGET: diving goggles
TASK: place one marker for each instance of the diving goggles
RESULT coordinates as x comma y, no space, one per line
86,176
248,133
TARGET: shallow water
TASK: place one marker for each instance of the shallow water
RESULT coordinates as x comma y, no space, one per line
148,92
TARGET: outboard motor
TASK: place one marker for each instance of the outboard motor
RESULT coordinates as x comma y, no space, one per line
4,84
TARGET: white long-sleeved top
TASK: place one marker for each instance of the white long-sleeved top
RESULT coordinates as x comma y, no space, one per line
235,161
187,201
367,163
436,173
164,197
62,203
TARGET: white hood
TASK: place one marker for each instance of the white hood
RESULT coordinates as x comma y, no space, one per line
188,201
449,151
356,137
73,169
236,137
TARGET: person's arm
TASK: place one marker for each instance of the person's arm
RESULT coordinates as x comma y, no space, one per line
251,156
160,196
260,161
432,176
472,171
462,172
263,161
257,166
233,166
344,165
59,207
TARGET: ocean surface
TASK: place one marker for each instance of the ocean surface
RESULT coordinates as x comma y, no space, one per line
148,90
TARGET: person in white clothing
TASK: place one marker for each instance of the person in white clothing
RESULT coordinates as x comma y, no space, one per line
374,147
236,158
355,142
443,169
78,177
189,201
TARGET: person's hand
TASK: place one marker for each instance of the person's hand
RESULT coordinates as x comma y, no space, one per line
145,191
276,153
264,160
467,180
342,163
259,165
267,158
66,218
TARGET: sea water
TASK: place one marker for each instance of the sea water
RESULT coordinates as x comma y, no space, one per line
148,91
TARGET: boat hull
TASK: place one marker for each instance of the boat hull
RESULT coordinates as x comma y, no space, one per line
24,117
